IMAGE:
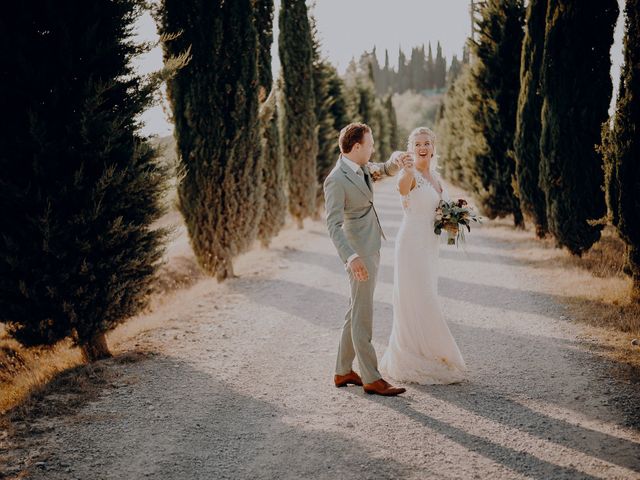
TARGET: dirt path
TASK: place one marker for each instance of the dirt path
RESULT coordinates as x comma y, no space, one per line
240,385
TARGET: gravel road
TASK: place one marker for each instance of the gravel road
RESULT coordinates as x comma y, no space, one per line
239,381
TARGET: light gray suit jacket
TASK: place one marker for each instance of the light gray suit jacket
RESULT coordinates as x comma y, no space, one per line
352,220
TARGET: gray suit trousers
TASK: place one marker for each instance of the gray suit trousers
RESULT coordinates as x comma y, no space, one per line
357,331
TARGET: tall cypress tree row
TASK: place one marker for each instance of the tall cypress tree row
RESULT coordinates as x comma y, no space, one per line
527,136
273,171
622,148
326,132
576,86
301,141
80,188
495,73
215,108
458,114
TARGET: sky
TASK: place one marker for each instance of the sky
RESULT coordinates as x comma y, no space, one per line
347,28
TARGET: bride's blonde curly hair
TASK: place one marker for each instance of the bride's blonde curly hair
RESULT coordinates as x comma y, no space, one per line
432,136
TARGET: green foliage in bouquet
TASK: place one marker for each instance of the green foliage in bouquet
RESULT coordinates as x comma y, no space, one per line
454,217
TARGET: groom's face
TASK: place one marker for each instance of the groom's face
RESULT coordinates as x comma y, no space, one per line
365,149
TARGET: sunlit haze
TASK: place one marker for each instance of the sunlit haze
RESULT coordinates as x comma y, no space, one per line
347,28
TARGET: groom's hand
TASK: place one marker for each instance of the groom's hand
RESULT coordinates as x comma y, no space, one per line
359,270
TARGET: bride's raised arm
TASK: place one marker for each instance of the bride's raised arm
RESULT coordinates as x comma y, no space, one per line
406,182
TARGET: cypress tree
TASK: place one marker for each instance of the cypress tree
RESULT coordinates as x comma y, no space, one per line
430,74
416,69
454,70
458,114
365,102
273,172
621,147
376,71
439,69
215,109
576,86
403,77
394,137
495,72
465,54
301,142
383,135
327,135
263,22
341,110
386,74
79,186
527,136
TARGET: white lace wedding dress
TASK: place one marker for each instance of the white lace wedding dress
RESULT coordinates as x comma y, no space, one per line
421,348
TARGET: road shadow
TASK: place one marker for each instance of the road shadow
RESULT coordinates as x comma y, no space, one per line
491,296
514,459
493,405
326,309
173,421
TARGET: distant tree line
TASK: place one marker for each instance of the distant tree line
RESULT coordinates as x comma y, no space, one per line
419,72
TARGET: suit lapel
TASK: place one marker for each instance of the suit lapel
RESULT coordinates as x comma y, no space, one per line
356,180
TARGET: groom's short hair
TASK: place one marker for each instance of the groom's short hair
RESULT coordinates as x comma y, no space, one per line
352,134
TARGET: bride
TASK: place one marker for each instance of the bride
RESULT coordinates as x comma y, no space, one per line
421,348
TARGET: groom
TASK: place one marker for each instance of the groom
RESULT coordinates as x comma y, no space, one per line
355,230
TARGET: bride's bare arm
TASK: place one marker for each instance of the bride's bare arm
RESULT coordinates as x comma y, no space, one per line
406,182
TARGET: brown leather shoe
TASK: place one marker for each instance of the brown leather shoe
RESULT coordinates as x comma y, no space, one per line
382,387
350,378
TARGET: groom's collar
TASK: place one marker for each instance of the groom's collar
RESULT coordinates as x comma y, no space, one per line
350,163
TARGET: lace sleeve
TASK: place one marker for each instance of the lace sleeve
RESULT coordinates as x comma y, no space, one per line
405,199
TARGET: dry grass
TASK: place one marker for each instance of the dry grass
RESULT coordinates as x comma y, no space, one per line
605,259
605,300
25,370
67,388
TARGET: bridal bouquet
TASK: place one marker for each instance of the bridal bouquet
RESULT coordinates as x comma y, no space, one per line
453,217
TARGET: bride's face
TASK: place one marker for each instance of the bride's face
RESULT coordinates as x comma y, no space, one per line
423,148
